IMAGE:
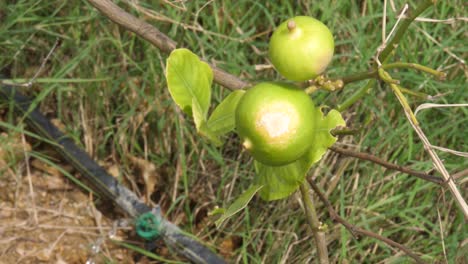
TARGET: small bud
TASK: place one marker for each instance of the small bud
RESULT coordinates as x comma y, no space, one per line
443,76
339,84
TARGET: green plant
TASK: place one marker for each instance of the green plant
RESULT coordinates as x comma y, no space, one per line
189,81
301,48
365,195
273,121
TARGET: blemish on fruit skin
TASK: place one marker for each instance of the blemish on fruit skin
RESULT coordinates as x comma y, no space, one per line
277,122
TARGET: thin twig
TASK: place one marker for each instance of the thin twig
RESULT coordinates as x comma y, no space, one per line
386,164
359,76
43,63
451,151
30,182
374,74
402,30
427,145
416,93
158,39
445,49
30,83
314,223
384,37
383,55
440,75
359,231
429,105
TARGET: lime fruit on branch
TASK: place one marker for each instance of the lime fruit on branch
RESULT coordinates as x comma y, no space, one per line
301,48
274,122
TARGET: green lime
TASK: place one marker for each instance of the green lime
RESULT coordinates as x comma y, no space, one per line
301,48
274,122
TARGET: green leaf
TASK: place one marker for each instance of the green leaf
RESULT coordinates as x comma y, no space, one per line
198,117
239,204
222,119
323,139
281,181
201,124
189,79
208,134
216,211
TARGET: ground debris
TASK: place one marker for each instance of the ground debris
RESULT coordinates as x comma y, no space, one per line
49,224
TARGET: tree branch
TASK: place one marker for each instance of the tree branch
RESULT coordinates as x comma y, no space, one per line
386,164
137,26
358,77
372,74
359,231
314,223
158,39
440,75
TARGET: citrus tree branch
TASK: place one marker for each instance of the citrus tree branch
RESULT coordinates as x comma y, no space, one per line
360,76
360,231
440,75
314,223
158,39
137,26
386,164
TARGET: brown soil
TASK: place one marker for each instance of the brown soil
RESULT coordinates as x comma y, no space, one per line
44,219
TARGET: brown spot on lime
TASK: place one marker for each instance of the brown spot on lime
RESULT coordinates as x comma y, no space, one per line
277,122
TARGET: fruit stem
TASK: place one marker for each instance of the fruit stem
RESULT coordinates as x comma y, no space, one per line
291,25
318,229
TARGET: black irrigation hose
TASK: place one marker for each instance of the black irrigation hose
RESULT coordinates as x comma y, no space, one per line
103,183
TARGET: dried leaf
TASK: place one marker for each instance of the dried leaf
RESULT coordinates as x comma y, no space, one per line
148,173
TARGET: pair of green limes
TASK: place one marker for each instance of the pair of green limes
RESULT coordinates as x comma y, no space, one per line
273,119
